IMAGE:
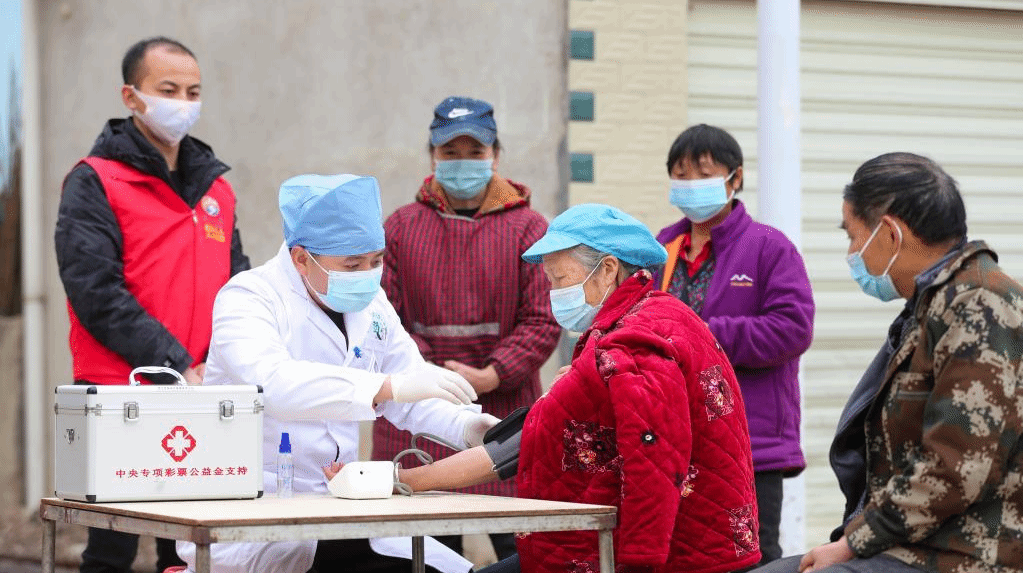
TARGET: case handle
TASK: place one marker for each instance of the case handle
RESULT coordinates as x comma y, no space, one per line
155,370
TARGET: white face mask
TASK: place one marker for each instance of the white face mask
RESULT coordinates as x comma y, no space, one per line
168,119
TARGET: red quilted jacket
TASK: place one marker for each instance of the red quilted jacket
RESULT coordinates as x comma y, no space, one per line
649,419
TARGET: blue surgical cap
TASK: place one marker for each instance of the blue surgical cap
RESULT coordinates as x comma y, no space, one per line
334,215
603,228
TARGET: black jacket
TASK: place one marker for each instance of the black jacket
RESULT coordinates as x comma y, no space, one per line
90,246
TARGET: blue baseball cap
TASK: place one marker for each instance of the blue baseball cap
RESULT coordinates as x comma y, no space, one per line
463,116
604,228
334,215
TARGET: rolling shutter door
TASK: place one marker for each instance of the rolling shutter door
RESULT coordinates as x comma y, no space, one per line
876,77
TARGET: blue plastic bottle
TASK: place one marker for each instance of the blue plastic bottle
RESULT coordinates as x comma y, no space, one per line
285,467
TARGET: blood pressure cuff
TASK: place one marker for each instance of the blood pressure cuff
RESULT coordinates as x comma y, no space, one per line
505,455
502,443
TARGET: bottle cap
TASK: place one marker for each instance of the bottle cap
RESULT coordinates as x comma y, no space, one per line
285,447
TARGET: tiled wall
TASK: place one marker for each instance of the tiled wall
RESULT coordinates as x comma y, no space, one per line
627,77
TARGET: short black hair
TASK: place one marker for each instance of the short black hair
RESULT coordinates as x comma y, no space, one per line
703,139
496,145
913,188
131,65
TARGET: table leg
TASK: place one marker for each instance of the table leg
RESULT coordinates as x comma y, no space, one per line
418,554
49,545
202,558
607,552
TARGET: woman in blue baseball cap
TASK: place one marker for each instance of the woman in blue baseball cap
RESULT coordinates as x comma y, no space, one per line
453,273
648,417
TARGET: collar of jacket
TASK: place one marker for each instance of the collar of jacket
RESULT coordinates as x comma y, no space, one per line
501,195
618,303
942,271
198,167
724,233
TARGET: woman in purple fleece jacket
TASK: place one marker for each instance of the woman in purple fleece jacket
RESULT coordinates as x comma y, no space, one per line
749,283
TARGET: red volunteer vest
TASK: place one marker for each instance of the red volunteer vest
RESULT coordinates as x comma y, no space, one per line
175,260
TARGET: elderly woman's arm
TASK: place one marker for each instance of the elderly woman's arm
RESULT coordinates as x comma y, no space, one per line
466,468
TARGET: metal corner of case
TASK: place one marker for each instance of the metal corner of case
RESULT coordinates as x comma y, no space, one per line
90,497
259,388
259,494
91,390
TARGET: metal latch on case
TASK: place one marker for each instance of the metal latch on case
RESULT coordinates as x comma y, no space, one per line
131,411
226,409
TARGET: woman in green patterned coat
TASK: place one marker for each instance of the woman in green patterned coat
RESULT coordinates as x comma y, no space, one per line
928,451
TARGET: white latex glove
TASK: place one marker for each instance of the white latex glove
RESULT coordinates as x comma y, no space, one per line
429,381
476,427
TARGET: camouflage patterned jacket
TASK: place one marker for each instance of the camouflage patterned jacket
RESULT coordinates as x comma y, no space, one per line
944,452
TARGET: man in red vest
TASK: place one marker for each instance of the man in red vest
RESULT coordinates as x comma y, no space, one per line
146,236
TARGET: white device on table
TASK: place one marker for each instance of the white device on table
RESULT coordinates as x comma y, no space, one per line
158,441
363,480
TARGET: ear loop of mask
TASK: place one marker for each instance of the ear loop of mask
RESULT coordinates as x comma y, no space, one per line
871,238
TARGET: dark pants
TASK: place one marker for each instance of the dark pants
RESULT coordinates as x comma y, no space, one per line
356,556
876,564
504,545
769,497
113,552
508,565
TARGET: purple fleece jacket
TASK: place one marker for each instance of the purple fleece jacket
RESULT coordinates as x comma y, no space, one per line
760,308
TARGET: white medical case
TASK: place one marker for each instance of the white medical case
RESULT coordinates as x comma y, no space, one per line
158,442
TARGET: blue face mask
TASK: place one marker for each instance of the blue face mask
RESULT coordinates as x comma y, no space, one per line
879,287
700,199
464,178
570,307
349,291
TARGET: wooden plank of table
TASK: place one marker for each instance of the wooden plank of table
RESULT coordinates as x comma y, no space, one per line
318,509
326,517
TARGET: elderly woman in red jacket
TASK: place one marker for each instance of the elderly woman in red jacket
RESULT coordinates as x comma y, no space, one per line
648,417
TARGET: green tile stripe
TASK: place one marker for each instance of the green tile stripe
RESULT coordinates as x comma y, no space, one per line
581,45
580,106
582,167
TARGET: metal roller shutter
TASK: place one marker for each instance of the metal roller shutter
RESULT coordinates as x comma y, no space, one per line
940,81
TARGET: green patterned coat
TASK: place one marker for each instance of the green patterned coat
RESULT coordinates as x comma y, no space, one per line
944,454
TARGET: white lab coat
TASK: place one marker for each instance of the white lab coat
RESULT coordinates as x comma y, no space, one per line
317,386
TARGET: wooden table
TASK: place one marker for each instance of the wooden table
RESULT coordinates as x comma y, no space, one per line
325,517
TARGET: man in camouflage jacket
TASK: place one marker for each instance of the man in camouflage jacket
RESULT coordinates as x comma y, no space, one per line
941,434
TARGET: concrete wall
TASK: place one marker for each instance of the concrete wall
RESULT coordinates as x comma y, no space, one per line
311,86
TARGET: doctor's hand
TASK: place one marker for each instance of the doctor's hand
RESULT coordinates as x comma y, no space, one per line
429,381
483,380
476,428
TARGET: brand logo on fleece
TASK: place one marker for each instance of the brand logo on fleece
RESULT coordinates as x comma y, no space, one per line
741,280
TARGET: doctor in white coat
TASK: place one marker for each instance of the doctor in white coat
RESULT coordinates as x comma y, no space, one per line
313,327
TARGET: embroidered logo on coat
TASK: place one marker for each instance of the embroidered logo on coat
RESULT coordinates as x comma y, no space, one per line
379,326
744,529
717,396
210,205
741,280
590,448
214,232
